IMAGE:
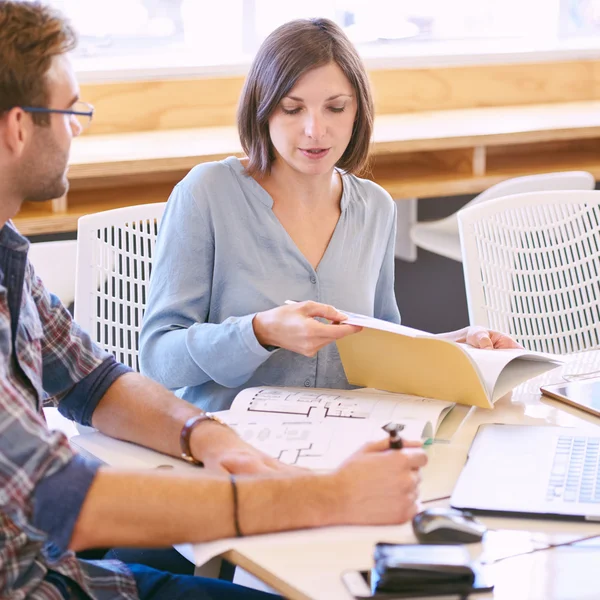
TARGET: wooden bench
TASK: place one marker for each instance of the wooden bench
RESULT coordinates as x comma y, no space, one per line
422,154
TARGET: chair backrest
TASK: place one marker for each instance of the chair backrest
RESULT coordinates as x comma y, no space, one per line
114,263
54,263
542,182
532,268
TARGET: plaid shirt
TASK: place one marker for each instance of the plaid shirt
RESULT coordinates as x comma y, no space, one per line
42,481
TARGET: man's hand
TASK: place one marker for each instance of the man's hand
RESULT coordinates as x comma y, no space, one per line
222,450
295,328
379,486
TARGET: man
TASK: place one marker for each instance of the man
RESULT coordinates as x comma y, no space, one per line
52,501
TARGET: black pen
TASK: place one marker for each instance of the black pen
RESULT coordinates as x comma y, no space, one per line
394,430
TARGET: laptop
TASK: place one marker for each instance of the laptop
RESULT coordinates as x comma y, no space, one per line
532,471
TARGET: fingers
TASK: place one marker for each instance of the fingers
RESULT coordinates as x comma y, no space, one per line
501,341
320,335
335,332
412,443
479,338
377,446
384,444
415,457
326,311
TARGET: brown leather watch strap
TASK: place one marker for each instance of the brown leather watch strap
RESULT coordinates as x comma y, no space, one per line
186,435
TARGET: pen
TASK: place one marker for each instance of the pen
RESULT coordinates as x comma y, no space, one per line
394,430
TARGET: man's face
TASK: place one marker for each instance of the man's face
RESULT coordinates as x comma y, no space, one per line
42,173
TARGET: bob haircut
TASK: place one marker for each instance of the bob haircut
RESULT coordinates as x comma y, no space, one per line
288,53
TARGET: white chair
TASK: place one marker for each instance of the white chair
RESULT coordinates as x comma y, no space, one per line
532,268
441,237
114,262
54,263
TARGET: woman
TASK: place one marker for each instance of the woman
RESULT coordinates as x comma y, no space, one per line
292,221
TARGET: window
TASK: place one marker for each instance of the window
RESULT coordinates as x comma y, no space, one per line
136,35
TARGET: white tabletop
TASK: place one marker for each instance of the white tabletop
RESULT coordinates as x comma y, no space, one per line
308,564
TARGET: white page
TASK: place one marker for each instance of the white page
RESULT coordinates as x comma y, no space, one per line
373,323
518,371
321,445
319,428
492,365
326,404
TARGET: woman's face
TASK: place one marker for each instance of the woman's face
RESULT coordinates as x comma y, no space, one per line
312,126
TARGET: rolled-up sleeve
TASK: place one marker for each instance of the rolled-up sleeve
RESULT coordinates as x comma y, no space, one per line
42,482
58,498
80,402
75,370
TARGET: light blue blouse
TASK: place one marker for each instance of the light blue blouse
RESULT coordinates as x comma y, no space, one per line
222,256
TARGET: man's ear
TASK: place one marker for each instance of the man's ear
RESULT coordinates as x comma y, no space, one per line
16,128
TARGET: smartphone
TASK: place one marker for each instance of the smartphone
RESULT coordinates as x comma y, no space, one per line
580,394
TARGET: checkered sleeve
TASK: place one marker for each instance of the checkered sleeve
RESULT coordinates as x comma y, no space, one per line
69,355
29,454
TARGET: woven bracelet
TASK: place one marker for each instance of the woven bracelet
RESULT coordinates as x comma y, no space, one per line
236,515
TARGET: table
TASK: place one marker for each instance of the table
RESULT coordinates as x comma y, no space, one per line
308,564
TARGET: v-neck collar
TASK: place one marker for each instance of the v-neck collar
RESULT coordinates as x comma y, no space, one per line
265,198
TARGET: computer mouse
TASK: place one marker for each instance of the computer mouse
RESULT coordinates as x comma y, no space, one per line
447,526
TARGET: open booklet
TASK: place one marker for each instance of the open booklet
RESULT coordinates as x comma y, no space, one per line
400,359
313,428
319,428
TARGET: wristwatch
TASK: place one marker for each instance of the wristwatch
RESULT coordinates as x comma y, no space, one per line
186,434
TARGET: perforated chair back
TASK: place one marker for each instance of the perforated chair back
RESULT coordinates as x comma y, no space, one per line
114,263
532,268
441,236
541,182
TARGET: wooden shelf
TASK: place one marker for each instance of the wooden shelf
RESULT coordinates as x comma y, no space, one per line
36,219
434,153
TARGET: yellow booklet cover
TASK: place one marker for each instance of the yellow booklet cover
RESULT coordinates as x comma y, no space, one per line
399,359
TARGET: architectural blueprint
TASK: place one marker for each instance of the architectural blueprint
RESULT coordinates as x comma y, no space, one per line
319,428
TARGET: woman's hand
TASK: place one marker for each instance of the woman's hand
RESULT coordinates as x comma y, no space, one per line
480,337
295,328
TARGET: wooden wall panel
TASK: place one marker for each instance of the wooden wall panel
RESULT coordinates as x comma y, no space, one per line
185,103
490,85
166,104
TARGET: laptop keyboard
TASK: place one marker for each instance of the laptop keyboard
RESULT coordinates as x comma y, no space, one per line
575,475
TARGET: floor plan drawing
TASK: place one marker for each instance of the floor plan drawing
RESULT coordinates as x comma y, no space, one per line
319,428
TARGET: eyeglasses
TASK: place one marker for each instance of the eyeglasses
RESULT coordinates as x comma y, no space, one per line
82,111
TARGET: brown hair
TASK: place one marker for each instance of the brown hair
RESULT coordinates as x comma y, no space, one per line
287,53
32,34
